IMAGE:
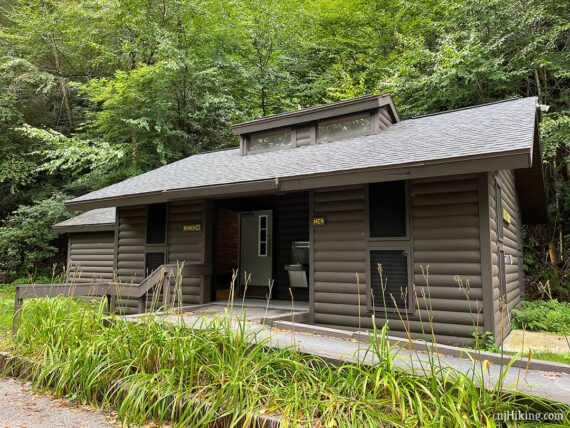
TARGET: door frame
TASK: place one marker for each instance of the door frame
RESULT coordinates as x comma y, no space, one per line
239,257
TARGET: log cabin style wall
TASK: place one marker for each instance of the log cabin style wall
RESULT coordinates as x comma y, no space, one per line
90,257
130,251
188,246
445,242
506,248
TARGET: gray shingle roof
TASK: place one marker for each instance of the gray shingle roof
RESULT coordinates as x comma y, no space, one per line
96,217
475,131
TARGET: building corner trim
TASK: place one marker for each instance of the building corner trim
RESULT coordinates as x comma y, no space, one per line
485,249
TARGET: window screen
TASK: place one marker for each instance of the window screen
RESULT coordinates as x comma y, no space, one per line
156,224
153,261
394,265
269,140
344,127
387,209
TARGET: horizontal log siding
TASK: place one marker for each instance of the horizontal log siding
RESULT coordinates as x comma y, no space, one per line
511,245
90,257
339,256
187,247
384,119
512,242
445,241
131,251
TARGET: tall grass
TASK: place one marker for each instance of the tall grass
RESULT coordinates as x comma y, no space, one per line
7,293
220,374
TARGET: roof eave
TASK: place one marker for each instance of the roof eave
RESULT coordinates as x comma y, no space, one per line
103,227
460,165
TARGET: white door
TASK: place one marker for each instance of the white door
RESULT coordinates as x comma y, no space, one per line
256,229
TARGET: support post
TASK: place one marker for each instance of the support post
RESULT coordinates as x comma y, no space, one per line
17,311
166,289
110,307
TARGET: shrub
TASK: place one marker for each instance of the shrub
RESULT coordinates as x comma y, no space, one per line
546,315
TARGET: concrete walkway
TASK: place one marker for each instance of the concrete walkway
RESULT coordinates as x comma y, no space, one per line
547,384
338,345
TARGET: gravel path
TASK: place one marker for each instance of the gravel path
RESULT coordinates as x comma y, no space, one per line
20,407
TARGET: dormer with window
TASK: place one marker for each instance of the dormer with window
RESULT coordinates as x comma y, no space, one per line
358,117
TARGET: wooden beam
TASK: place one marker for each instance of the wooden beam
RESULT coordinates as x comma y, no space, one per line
485,246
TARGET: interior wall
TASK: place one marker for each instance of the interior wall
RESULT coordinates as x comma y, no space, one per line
225,251
290,223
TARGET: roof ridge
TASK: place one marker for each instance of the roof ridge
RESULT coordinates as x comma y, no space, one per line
311,108
468,107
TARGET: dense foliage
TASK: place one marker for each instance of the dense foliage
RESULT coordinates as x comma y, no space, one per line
545,315
27,237
94,91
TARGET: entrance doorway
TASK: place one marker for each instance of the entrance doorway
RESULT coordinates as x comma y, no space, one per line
256,249
256,235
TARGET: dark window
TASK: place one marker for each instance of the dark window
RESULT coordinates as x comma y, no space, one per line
499,203
156,224
387,209
153,261
502,275
394,265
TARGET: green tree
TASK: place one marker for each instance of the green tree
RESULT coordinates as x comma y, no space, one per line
27,240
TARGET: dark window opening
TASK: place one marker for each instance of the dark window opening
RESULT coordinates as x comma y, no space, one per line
502,275
387,209
391,289
153,261
156,224
499,208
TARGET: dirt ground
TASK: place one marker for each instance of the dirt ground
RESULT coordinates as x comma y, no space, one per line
20,407
538,341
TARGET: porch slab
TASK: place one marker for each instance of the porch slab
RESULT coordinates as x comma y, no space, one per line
254,311
252,314
274,304
537,341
